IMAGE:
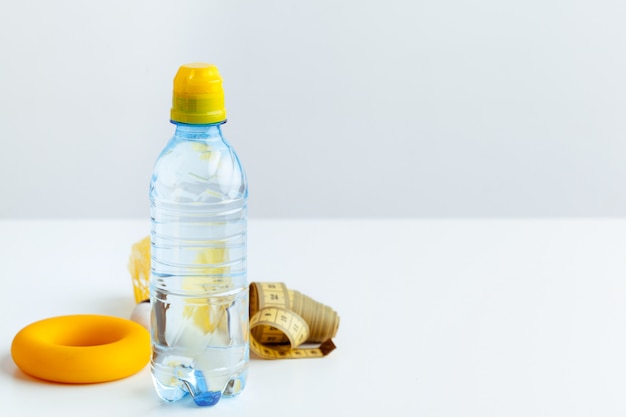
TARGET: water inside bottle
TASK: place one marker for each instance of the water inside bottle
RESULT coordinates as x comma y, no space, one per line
199,291
200,345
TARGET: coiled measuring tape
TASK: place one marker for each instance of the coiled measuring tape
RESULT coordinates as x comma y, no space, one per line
282,320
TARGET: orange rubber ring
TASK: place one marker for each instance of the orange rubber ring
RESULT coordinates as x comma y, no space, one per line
81,349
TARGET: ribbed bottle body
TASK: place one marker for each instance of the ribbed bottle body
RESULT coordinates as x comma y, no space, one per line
199,289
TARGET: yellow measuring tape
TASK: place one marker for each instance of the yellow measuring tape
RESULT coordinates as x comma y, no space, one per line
282,320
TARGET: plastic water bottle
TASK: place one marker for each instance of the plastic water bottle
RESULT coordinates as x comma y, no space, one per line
199,288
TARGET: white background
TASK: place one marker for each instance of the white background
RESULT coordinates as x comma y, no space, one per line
439,317
393,108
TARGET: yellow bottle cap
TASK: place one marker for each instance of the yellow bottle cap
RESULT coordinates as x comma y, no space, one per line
198,95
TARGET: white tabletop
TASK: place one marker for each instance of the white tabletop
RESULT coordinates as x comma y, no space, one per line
438,317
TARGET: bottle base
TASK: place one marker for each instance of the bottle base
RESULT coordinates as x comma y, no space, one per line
196,387
207,399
